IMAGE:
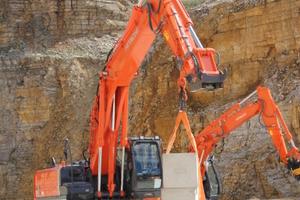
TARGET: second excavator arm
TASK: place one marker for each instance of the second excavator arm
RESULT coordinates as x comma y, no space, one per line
268,111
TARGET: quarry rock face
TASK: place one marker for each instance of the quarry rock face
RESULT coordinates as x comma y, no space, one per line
51,53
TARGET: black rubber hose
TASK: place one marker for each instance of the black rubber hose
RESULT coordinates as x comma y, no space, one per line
97,89
156,12
262,109
219,59
84,155
223,132
108,55
196,63
160,26
262,112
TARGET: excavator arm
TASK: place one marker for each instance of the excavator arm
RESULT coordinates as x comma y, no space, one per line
111,102
267,110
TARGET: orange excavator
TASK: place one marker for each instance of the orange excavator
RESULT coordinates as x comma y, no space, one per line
138,174
203,144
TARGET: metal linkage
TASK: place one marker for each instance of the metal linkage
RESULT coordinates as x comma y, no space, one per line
182,100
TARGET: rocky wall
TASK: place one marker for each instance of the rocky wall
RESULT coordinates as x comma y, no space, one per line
35,25
51,55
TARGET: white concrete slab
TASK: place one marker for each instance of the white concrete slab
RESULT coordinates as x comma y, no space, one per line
180,170
179,194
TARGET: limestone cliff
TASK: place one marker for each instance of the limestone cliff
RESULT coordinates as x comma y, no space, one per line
51,55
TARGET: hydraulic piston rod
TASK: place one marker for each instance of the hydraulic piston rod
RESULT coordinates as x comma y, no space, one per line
195,37
122,168
248,97
139,3
99,171
113,114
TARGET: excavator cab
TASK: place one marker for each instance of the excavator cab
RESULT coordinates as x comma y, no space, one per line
211,182
143,168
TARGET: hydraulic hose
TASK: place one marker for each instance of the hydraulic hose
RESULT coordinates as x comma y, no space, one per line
156,12
108,55
262,112
219,59
160,26
194,57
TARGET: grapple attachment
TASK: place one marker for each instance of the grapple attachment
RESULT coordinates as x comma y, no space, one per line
208,76
294,166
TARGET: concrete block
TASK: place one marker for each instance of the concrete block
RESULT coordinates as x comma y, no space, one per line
180,170
179,194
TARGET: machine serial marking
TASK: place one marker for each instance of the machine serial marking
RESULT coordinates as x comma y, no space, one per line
131,39
166,35
240,117
271,133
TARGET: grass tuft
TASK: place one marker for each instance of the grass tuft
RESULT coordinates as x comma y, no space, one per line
191,3
186,3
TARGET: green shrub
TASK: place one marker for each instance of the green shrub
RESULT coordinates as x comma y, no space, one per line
186,3
191,3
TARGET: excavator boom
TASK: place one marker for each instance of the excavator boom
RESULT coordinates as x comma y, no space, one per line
111,103
267,110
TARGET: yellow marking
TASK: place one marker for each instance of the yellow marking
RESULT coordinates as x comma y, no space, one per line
297,171
271,133
166,34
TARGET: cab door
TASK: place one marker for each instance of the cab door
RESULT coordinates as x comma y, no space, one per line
147,169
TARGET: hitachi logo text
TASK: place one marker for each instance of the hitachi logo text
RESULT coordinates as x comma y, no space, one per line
132,38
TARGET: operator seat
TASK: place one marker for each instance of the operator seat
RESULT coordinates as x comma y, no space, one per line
138,164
